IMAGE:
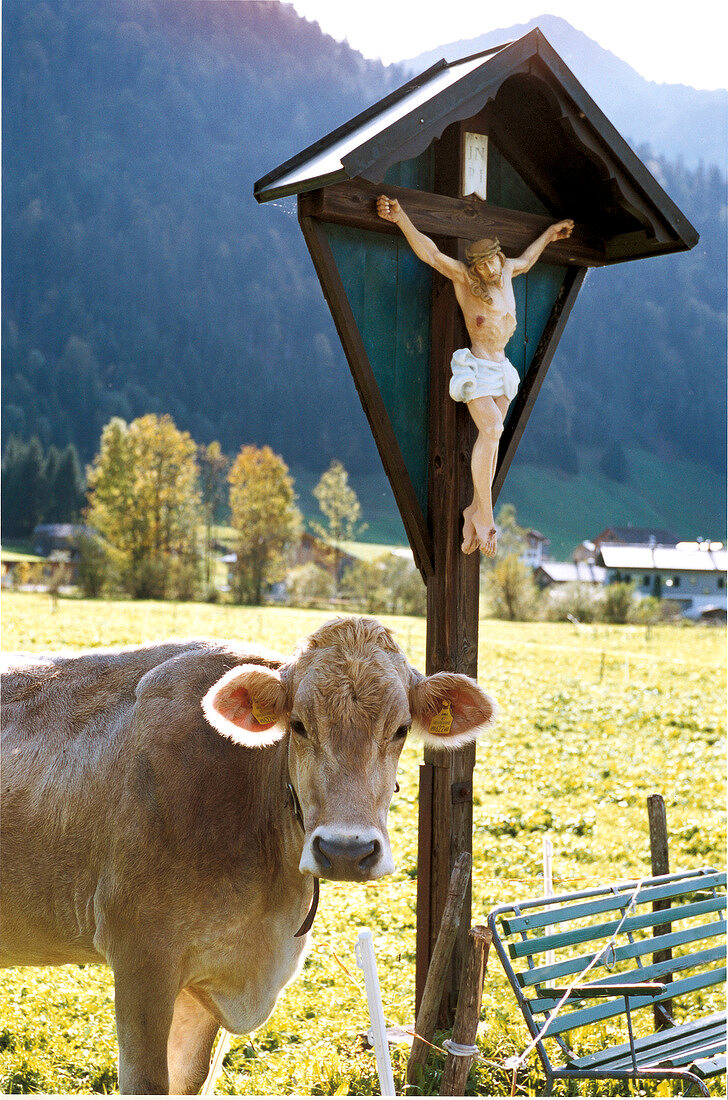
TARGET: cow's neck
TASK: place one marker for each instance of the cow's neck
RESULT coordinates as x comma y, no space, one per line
278,825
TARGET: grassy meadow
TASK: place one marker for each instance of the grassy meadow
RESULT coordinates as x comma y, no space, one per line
592,721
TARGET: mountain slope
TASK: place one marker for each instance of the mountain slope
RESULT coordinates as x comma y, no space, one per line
675,120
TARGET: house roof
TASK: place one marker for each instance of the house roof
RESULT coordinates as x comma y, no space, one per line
667,558
637,536
562,572
551,130
58,530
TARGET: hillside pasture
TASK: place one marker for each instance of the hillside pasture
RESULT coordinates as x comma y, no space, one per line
592,721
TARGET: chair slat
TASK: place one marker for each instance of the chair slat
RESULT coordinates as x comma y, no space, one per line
678,1051
641,974
709,1067
682,1054
540,974
598,932
712,1026
530,921
570,1020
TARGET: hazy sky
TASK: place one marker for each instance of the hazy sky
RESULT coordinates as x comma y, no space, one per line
667,42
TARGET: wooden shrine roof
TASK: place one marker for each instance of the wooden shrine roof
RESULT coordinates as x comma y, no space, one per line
544,123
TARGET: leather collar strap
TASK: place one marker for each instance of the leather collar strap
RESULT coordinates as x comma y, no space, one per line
309,919
308,922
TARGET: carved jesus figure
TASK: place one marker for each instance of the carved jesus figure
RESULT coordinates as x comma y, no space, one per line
482,376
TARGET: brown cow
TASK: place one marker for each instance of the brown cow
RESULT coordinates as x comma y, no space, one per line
166,809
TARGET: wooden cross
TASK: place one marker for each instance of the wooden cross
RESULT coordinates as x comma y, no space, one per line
452,578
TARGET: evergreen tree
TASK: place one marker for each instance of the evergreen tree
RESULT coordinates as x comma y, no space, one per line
69,491
38,486
50,480
14,515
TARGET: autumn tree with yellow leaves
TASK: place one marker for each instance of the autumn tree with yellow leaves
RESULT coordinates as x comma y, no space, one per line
265,517
144,501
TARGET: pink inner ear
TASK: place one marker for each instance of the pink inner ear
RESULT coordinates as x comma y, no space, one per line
234,704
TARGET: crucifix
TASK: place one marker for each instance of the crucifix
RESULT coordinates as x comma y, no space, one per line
495,145
454,221
482,376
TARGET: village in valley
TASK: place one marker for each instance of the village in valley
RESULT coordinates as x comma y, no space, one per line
688,576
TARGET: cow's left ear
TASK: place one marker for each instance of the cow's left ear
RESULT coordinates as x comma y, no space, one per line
449,710
248,705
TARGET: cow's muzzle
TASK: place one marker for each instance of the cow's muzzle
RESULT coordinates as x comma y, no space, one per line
345,855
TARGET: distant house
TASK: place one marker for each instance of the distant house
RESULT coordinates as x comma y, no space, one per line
309,549
636,536
536,551
313,549
567,572
57,538
691,574
624,536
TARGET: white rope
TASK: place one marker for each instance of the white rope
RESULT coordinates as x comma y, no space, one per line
516,1063
460,1050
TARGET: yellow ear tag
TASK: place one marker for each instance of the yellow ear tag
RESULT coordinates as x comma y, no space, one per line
441,724
263,717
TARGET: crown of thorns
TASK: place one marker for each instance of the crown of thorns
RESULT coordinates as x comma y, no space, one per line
482,250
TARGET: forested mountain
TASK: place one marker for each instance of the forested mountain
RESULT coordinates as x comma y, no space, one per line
139,274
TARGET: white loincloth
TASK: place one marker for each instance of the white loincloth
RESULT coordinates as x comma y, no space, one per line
473,377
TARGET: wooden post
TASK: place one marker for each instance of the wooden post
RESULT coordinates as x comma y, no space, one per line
660,859
452,610
467,1016
437,973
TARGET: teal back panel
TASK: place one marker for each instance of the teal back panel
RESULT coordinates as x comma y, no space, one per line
389,291
536,292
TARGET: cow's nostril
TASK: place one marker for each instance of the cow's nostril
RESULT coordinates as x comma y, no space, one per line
321,857
371,857
346,851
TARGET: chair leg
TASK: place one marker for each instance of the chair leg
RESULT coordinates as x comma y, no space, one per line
547,1086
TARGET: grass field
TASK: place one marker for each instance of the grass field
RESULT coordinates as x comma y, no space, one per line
592,721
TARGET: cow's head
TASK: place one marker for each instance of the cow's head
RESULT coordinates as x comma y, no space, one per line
347,699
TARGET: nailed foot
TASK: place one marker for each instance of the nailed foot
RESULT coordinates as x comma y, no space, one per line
470,535
477,535
488,543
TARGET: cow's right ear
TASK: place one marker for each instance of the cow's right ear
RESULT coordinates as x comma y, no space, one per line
248,705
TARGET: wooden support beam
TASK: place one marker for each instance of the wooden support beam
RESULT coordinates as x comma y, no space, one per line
452,636
428,1011
353,203
467,1017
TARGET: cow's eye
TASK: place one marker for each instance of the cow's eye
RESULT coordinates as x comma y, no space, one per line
401,733
298,728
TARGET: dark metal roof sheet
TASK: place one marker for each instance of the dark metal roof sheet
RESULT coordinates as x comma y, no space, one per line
324,162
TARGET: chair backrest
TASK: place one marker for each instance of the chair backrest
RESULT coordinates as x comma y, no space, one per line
613,933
